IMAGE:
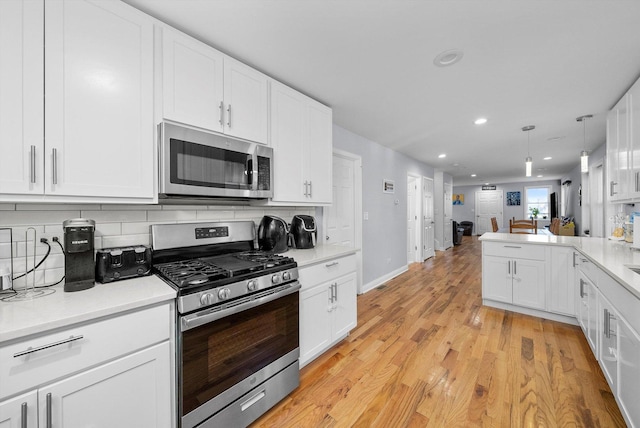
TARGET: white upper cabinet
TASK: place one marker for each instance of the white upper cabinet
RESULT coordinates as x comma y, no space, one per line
78,125
634,140
21,96
203,87
99,100
301,137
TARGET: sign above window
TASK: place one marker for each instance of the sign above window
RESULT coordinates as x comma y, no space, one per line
492,187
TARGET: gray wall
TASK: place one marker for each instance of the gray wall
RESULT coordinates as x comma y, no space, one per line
466,212
384,234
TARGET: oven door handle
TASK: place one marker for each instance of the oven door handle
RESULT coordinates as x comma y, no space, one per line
194,320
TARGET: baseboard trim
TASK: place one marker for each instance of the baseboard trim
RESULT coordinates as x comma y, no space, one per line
384,278
533,312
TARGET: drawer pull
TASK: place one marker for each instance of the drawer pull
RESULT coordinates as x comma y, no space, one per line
512,246
23,415
253,400
48,411
51,345
332,264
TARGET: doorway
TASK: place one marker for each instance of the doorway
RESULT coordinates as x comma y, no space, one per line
414,224
488,204
596,201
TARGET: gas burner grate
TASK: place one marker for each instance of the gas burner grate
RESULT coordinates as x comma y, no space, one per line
191,272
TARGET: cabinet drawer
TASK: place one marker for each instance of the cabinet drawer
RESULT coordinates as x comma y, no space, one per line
313,275
514,250
625,303
42,359
587,267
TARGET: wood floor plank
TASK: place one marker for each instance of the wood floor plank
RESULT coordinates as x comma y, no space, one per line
426,353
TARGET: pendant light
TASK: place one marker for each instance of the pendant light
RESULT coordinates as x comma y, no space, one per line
584,155
528,162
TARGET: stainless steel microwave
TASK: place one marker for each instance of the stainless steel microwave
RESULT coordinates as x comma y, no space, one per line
196,163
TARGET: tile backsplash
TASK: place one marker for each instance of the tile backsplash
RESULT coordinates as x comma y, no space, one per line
116,226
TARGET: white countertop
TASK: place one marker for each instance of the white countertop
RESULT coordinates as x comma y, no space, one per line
319,254
610,256
60,309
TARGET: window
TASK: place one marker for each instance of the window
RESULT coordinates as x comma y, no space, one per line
537,197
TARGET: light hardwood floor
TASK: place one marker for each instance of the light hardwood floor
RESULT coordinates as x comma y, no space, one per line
426,353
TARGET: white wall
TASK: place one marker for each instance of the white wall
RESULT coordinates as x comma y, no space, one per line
384,234
116,225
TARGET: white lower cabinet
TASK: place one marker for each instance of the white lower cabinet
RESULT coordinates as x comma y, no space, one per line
608,341
587,313
517,280
328,305
628,372
115,372
561,290
133,391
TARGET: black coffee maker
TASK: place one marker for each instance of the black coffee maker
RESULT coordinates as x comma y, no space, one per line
79,262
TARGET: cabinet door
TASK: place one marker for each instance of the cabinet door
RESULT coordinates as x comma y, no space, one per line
99,106
591,296
192,77
345,311
22,96
634,140
246,103
315,321
287,140
582,309
612,187
562,287
608,337
629,371
21,411
496,279
529,283
134,391
318,153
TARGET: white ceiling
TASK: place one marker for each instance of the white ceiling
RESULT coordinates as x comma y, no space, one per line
540,63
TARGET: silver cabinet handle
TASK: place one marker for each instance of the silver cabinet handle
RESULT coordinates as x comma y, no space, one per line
23,415
253,400
637,181
49,410
574,259
581,288
611,192
336,287
221,119
607,324
511,246
54,163
310,188
50,345
32,155
332,264
514,268
509,267
229,115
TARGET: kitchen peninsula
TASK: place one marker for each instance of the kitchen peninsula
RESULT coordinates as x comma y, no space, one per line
584,281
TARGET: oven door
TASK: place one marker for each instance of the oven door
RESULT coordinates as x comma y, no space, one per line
225,352
197,163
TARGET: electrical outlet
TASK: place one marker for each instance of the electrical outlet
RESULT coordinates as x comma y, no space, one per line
366,215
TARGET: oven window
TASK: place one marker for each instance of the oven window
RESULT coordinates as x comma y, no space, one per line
218,355
199,165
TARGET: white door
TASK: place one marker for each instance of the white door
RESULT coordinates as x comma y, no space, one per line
99,103
488,204
412,219
448,215
340,216
428,234
21,96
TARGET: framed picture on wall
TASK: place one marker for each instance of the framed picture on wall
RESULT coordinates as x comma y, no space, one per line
388,186
513,198
458,199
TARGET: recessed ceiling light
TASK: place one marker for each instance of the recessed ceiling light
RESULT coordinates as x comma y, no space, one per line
539,176
548,158
447,58
442,156
456,165
473,175
480,121
486,184
555,138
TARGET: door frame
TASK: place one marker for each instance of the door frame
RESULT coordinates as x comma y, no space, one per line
357,207
417,212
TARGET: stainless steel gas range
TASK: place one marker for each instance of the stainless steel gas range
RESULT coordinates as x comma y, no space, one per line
237,321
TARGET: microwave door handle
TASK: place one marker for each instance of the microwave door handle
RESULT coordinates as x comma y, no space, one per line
250,173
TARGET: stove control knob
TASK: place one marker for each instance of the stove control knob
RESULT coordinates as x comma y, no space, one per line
224,293
286,276
252,285
275,279
206,299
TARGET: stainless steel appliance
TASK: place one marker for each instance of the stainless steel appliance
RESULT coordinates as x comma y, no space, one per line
79,264
195,163
113,264
304,232
237,321
273,234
